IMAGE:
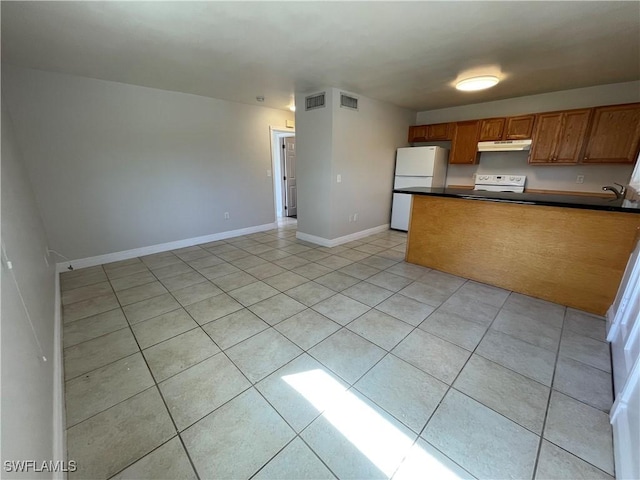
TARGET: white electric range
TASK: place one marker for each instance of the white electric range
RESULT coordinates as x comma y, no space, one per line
500,183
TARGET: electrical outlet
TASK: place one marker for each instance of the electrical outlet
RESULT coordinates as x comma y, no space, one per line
226,215
350,218
268,173
580,179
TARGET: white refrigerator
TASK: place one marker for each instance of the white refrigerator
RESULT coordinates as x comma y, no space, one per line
416,167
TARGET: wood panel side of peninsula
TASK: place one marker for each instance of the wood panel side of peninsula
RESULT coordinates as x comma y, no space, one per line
571,256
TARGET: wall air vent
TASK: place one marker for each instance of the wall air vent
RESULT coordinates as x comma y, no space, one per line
348,101
314,101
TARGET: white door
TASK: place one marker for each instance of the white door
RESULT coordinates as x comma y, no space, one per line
290,189
624,335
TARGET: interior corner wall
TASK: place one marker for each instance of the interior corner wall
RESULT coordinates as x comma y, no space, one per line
554,177
117,167
364,153
360,146
27,329
314,152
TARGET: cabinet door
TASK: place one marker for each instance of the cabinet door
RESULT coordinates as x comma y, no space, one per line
519,128
418,133
439,131
572,136
545,137
614,135
464,146
491,129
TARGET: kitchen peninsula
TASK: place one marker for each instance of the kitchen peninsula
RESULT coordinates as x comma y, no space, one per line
566,249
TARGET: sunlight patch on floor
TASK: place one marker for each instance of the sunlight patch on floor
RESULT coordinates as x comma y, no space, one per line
377,438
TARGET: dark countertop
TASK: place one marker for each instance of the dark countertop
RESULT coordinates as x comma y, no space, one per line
552,200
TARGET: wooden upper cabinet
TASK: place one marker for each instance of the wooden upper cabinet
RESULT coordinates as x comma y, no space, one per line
545,137
510,128
519,128
559,136
572,135
609,134
440,131
614,135
491,129
418,133
431,133
464,145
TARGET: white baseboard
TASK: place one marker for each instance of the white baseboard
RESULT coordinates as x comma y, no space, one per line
325,242
59,414
163,247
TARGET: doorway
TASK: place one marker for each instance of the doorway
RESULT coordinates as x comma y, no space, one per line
284,173
288,158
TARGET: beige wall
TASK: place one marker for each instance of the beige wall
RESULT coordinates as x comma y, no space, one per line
360,146
539,177
27,380
314,151
364,153
117,167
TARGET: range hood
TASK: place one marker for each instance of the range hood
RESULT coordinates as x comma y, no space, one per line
504,146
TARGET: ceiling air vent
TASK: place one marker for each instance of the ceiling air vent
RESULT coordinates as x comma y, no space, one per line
314,101
347,101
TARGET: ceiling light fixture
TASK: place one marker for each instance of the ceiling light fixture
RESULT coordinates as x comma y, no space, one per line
292,108
477,83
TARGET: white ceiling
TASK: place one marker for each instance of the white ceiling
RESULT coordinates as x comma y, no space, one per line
405,53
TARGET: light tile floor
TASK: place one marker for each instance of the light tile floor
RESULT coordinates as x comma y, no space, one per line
267,357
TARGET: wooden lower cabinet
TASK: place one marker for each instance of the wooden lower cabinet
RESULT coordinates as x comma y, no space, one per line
614,135
570,256
464,145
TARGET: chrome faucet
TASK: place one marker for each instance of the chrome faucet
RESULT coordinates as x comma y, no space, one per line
618,193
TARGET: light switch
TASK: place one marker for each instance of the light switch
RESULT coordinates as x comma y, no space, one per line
339,178
268,173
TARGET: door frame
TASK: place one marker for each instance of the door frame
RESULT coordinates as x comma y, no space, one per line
277,134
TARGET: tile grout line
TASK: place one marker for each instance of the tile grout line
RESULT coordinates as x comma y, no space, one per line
449,386
157,386
548,405
303,352
251,385
387,353
200,325
552,389
352,386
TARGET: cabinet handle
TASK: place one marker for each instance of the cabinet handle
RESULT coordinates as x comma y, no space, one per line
586,158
